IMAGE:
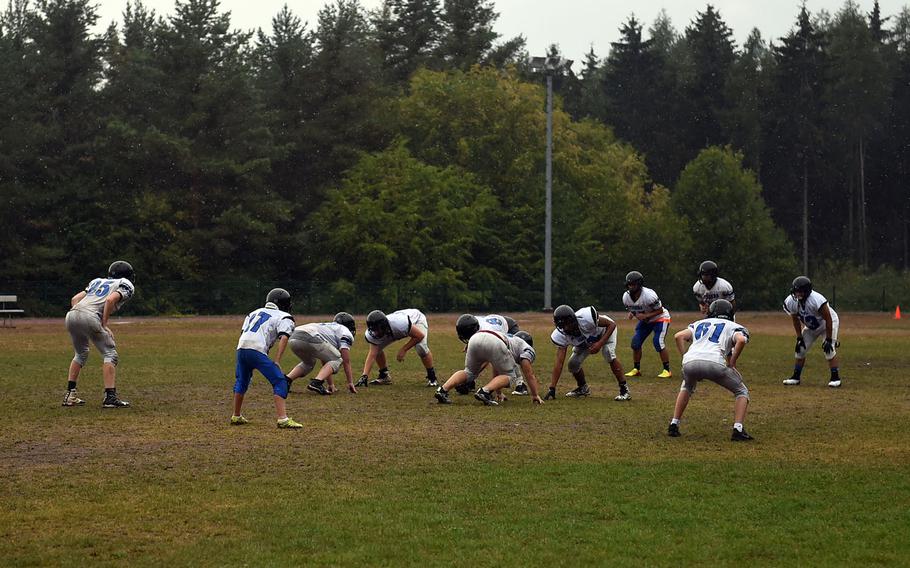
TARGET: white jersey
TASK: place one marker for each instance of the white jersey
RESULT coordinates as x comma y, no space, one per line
335,334
588,328
712,339
494,322
809,312
647,302
722,290
263,327
521,350
401,323
98,290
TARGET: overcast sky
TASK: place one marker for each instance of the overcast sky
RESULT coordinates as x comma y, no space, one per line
575,25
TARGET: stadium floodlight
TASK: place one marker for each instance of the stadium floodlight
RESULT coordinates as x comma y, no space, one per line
549,66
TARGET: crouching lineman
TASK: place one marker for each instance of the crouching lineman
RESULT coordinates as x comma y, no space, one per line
587,332
383,330
712,338
493,348
260,331
87,321
812,317
327,342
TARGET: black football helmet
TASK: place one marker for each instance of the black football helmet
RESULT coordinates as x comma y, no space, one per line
721,309
378,324
801,284
634,280
121,269
513,325
347,320
565,321
466,326
281,298
708,273
526,337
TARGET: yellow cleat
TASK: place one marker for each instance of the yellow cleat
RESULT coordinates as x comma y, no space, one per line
634,373
665,374
239,420
289,423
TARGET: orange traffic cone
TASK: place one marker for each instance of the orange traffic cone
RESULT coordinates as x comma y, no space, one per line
897,313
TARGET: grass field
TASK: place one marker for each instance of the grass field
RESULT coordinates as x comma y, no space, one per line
388,477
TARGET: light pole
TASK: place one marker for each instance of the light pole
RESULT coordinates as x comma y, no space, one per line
549,66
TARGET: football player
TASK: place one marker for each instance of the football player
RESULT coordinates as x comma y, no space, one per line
521,346
383,330
327,342
87,322
486,347
710,286
644,305
588,333
812,318
261,329
706,359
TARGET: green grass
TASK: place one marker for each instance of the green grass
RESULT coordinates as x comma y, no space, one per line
387,477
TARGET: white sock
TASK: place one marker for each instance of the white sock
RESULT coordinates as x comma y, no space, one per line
675,421
738,426
285,419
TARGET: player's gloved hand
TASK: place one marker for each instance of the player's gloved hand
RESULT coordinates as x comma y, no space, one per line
828,346
800,344
363,381
551,394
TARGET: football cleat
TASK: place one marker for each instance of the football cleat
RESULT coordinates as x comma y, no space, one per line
520,390
382,380
289,423
114,402
318,387
363,381
624,393
740,436
673,430
791,381
70,399
485,397
239,420
432,383
834,383
634,373
579,392
441,396
665,374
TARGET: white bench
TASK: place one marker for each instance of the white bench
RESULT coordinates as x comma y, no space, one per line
7,308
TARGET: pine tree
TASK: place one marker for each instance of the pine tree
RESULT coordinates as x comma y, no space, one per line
408,33
795,133
711,49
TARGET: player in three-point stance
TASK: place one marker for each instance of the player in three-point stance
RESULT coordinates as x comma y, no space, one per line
87,322
812,317
710,286
383,330
486,347
712,338
644,305
327,342
588,333
261,329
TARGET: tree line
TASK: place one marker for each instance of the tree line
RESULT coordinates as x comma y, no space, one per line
396,156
